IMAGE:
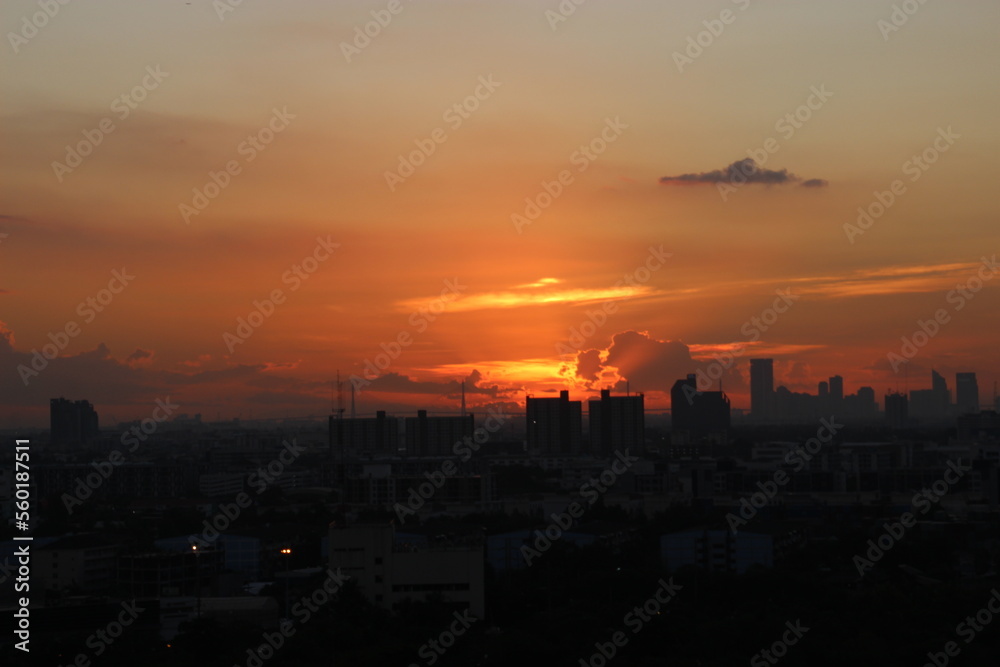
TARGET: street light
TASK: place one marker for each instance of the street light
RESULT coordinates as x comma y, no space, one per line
288,553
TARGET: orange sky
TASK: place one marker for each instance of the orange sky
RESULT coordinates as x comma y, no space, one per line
328,130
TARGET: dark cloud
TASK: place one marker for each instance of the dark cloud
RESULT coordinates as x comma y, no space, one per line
742,171
139,357
648,364
126,388
6,339
396,383
815,183
588,365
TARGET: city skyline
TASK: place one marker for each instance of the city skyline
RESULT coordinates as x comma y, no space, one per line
965,393
692,408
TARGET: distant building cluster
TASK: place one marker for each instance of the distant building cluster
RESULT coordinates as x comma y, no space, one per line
401,487
924,406
72,422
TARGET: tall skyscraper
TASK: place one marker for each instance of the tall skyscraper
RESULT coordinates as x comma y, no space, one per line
762,389
932,404
896,410
617,423
72,422
698,412
966,393
554,425
938,383
836,390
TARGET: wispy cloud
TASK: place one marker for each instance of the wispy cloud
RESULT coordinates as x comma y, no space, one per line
540,293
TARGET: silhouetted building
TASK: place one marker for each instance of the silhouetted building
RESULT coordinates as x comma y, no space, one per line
860,406
966,393
390,567
697,417
798,407
896,410
938,383
836,390
435,436
717,550
72,422
617,423
762,389
75,564
168,574
983,426
554,425
932,404
377,435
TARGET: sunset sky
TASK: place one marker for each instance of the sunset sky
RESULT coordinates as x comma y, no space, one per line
446,258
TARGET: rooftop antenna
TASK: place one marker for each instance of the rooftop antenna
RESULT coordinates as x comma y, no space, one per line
463,398
627,385
354,414
340,397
